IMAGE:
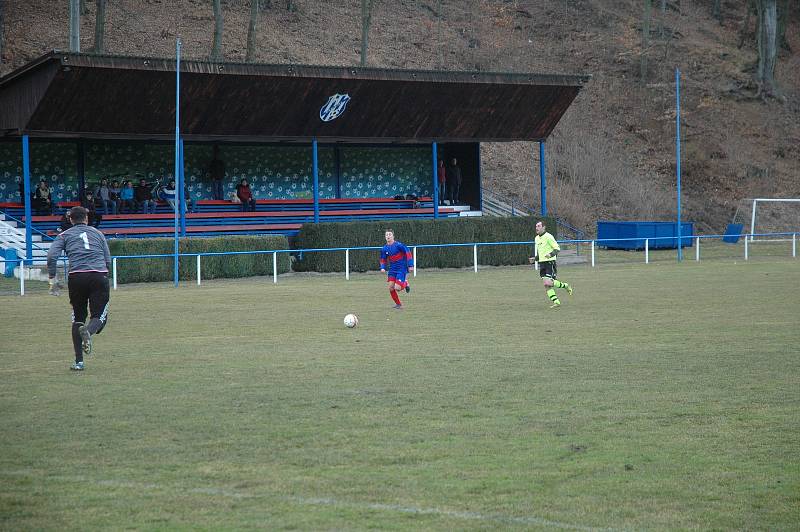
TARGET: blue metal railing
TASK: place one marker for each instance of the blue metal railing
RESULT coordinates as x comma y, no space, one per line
45,236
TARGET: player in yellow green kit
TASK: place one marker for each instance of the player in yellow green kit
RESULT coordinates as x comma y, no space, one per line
545,250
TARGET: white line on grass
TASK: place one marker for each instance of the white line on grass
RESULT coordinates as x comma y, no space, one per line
313,501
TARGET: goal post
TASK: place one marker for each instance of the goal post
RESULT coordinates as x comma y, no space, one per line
791,224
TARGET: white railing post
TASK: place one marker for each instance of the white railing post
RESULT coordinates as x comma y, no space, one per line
647,251
697,249
347,264
745,249
475,256
114,272
794,244
415,261
274,267
22,277
592,253
199,274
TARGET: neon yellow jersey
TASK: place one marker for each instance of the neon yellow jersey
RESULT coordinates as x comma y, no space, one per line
545,243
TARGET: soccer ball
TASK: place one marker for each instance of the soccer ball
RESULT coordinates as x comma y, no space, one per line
350,321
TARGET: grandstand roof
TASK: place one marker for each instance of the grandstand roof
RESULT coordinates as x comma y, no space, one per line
98,96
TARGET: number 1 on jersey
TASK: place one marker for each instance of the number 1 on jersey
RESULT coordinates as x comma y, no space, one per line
85,239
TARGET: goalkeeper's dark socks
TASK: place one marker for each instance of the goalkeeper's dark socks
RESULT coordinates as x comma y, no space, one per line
76,341
553,297
395,297
559,284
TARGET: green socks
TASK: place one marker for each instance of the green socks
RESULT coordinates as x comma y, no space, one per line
559,284
553,297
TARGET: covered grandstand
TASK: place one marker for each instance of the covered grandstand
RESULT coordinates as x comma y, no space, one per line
71,119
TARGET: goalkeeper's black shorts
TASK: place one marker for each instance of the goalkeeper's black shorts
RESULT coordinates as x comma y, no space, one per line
89,288
548,269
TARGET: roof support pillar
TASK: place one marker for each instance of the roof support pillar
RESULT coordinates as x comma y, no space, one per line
435,183
180,193
315,169
26,181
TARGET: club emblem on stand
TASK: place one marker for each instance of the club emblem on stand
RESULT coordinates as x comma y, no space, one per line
334,107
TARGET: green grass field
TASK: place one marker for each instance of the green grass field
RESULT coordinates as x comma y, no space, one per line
664,396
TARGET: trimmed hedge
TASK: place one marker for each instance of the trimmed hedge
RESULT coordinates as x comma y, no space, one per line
418,232
228,266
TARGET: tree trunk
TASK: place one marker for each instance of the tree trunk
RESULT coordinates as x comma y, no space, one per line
251,31
645,40
2,25
717,11
750,7
767,48
216,48
74,26
100,27
366,16
783,15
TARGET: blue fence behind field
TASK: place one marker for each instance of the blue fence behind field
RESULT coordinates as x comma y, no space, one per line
592,245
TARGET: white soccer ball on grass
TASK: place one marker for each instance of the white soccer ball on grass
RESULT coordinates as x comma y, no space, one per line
350,321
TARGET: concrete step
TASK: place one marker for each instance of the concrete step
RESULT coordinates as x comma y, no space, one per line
33,273
470,213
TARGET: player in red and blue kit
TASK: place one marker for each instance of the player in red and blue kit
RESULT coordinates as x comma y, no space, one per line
400,261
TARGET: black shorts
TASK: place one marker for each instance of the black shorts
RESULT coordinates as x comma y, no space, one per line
548,269
88,288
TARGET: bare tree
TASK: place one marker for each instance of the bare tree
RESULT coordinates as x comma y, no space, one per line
645,39
717,11
84,9
743,32
2,25
366,17
662,18
216,48
251,31
290,5
100,27
783,15
767,48
74,26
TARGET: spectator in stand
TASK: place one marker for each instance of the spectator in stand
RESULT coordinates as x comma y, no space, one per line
113,192
126,201
42,201
65,222
441,173
217,171
102,195
454,182
88,204
144,198
245,196
168,194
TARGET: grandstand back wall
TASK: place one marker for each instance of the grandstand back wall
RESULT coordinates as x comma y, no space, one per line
274,171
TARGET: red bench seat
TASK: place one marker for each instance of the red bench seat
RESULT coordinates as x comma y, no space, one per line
201,229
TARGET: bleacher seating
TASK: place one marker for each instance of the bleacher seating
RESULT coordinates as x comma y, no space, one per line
224,217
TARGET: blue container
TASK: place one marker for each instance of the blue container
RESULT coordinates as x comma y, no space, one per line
662,235
12,261
732,233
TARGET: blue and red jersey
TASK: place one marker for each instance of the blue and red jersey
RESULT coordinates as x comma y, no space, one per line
398,256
